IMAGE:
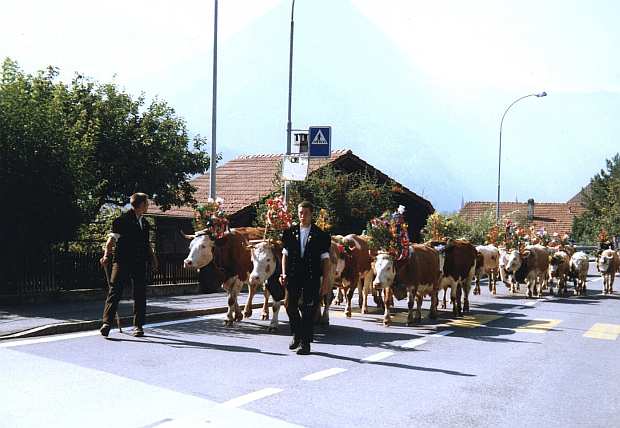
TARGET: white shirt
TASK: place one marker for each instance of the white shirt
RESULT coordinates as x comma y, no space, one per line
304,232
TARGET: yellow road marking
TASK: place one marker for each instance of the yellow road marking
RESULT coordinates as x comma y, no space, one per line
473,321
537,326
603,331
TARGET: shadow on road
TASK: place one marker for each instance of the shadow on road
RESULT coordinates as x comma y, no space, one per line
394,365
178,343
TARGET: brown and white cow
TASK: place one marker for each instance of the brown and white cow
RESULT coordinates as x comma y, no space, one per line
533,270
419,273
266,269
579,265
509,263
231,258
356,270
458,267
487,263
607,264
559,267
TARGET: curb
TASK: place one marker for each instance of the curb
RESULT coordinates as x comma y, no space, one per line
74,327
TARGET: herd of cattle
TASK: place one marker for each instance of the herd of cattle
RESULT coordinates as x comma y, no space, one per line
241,257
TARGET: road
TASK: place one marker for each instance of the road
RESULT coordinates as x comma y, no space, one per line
514,362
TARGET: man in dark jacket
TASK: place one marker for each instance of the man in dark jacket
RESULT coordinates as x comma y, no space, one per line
305,259
132,252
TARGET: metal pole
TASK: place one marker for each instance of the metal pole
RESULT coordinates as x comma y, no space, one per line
213,165
290,91
499,160
290,82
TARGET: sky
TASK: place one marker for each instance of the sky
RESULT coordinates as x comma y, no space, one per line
415,88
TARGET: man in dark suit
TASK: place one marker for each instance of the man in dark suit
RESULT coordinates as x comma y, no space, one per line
305,259
132,252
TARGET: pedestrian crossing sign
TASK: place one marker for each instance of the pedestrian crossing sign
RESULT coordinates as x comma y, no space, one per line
320,141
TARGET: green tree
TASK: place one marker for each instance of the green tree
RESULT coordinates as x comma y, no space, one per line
602,204
350,199
66,150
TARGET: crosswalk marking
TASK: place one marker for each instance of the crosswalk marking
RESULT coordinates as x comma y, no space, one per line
603,331
473,321
537,326
323,374
412,344
378,356
252,396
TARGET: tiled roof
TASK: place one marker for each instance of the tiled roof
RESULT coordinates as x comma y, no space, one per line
244,180
554,217
578,198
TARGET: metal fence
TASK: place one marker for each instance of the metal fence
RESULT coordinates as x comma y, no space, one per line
59,270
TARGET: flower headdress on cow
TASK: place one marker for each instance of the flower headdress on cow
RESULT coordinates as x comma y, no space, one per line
211,219
515,237
277,218
389,233
539,236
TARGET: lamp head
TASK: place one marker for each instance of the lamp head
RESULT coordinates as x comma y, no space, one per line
542,94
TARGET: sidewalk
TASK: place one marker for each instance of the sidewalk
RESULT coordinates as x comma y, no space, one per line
28,320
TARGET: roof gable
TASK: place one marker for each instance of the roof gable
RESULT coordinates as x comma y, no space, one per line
246,179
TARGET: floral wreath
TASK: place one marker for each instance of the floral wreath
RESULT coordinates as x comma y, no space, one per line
389,233
277,218
211,218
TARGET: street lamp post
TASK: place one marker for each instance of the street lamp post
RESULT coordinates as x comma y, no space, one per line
499,161
213,166
290,90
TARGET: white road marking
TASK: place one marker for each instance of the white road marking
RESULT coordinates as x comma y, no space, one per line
378,356
67,336
323,374
530,303
413,343
23,342
252,396
442,333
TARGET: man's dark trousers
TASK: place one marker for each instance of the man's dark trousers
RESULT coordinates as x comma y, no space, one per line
122,273
301,311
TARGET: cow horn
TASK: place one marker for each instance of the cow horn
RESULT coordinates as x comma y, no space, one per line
256,241
186,236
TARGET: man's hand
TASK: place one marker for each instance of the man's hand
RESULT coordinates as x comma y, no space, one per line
283,280
104,261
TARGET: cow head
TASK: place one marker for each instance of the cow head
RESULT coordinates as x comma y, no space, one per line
264,262
385,271
555,261
514,260
200,251
604,260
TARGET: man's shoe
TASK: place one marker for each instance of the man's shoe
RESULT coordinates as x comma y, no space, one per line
295,342
138,332
304,349
105,330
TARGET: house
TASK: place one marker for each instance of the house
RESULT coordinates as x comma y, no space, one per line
243,181
553,216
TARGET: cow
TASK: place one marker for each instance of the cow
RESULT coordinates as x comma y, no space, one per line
355,272
579,265
607,264
533,270
232,259
487,263
559,267
509,263
419,273
458,265
266,269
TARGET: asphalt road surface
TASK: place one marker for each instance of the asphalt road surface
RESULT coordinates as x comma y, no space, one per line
513,362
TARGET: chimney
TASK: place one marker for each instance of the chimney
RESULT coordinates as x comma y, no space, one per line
301,143
530,209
